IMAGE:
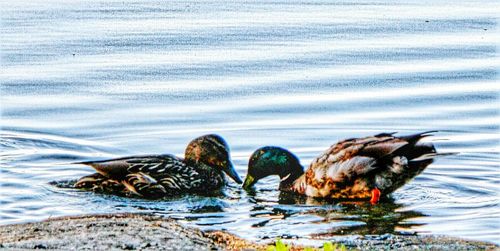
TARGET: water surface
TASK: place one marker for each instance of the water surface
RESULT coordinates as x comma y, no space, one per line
101,79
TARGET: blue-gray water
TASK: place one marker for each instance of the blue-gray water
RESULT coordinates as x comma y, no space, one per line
87,80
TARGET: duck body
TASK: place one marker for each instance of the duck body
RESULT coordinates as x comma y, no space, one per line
156,176
357,168
151,176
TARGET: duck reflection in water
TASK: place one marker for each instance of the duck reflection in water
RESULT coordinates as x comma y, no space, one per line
334,217
387,216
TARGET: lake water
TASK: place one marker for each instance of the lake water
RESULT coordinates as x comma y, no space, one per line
85,80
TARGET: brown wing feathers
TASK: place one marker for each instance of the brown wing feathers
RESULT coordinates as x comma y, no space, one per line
351,158
149,176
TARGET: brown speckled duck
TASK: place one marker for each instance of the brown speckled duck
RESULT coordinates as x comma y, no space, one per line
357,168
155,176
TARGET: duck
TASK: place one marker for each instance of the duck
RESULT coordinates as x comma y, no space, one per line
202,171
364,168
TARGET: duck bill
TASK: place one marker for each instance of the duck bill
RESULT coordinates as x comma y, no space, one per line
249,181
229,170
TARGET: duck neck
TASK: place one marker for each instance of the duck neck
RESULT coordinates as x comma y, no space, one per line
288,178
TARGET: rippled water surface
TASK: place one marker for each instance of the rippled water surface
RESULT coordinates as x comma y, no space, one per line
90,80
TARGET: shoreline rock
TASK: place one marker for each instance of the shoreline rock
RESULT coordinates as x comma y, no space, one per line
147,232
115,232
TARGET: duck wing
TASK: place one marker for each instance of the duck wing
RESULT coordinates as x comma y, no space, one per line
119,168
356,156
99,183
144,185
158,166
140,173
134,184
173,174
345,162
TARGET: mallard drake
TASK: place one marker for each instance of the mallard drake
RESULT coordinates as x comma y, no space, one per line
357,168
153,176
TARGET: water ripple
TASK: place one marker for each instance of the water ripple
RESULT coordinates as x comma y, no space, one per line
94,80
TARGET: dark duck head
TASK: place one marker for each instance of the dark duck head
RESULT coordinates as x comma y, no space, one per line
211,150
272,160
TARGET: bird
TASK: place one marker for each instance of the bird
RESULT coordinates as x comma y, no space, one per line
206,159
356,168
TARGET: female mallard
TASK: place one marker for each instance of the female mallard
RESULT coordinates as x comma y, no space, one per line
155,176
358,168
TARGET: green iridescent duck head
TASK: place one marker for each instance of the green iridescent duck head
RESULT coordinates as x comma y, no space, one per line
212,150
272,160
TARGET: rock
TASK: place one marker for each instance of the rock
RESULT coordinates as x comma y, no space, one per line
128,246
139,231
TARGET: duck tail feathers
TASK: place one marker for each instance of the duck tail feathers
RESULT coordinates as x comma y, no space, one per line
385,134
81,163
424,157
414,138
430,156
88,162
416,150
